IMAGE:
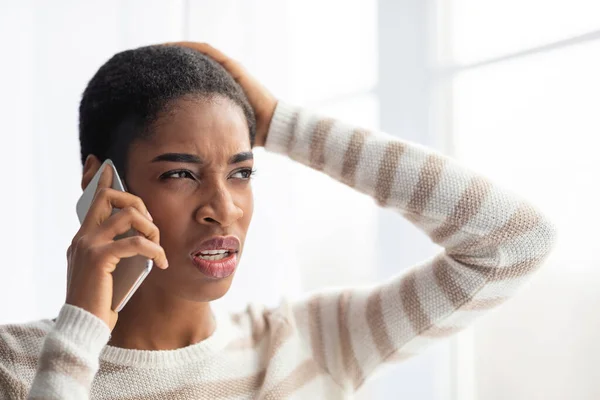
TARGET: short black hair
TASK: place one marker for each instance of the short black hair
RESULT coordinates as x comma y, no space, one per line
129,92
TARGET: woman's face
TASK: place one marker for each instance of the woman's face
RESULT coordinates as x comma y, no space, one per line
193,174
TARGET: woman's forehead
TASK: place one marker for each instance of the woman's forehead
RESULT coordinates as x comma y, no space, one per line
211,128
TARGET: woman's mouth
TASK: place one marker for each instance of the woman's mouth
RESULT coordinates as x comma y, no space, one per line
217,264
213,254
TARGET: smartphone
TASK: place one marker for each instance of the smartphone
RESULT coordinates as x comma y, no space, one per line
130,272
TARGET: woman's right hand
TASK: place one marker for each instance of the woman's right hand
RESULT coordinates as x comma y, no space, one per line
93,254
262,101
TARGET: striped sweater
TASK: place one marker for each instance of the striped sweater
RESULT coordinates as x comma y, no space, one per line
326,345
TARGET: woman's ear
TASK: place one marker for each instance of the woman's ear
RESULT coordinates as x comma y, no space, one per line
91,166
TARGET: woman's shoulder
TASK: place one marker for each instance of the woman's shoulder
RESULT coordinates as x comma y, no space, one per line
20,347
23,342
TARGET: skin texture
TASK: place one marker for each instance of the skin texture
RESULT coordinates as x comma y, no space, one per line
210,199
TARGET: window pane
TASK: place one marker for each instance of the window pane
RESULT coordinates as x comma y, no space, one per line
532,125
306,51
484,29
334,47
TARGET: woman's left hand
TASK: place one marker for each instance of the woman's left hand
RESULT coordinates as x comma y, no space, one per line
261,100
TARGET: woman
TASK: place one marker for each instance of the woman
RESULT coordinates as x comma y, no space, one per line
180,128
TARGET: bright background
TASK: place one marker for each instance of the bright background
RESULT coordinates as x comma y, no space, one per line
510,88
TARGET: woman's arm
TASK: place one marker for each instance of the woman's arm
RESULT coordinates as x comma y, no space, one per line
69,358
70,355
64,356
493,240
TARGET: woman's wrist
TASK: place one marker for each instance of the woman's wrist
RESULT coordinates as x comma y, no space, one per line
263,123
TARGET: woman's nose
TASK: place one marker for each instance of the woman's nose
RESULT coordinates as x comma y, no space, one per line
219,209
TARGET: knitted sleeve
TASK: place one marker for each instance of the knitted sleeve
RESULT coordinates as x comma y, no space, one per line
493,241
70,356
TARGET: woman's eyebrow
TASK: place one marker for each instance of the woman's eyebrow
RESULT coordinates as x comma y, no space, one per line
178,157
241,157
194,159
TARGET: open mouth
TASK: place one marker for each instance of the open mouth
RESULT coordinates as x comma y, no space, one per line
216,264
214,255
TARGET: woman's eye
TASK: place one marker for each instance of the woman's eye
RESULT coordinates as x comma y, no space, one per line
177,175
243,174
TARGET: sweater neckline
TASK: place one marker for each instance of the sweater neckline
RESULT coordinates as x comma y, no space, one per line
221,336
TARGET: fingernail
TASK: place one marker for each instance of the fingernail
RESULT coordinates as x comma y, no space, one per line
149,216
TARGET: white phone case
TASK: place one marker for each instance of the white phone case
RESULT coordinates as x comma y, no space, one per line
130,272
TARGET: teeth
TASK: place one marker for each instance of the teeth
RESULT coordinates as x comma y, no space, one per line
219,256
214,252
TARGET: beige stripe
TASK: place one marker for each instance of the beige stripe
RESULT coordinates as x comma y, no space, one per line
399,356
300,376
446,282
221,389
483,304
522,221
468,206
25,331
351,364
24,360
388,169
352,156
315,326
317,144
66,364
21,336
292,129
429,177
377,325
437,332
518,270
411,304
10,385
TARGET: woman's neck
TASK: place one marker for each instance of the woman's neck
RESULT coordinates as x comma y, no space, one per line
156,320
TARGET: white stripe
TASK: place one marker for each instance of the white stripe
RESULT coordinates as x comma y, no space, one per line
287,359
504,288
460,319
330,333
335,149
361,339
322,384
304,128
368,165
48,383
398,325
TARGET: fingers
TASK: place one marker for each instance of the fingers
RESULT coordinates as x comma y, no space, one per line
132,246
105,200
126,219
106,179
